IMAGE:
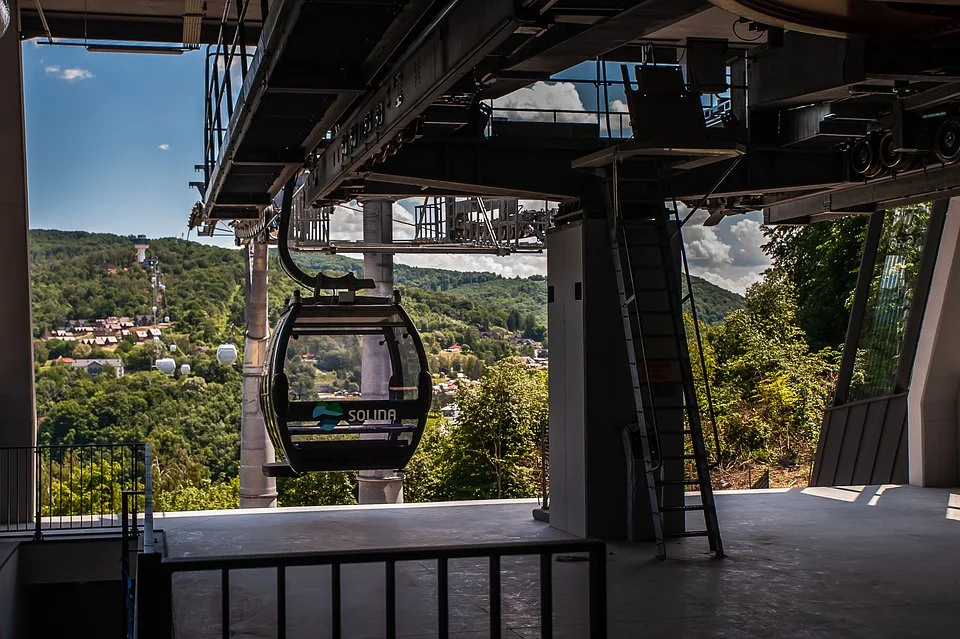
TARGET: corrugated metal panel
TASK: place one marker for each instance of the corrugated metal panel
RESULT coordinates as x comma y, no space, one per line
863,443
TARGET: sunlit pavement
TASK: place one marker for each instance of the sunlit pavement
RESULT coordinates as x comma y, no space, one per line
818,562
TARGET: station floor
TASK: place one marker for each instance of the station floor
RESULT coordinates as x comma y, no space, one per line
875,561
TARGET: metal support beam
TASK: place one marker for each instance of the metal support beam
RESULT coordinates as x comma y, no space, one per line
19,425
126,28
924,185
433,64
530,168
760,171
868,261
377,486
256,489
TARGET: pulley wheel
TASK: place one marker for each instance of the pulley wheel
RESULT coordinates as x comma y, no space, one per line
947,142
894,160
864,158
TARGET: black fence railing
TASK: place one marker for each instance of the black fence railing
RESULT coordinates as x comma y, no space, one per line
49,488
222,83
611,123
155,583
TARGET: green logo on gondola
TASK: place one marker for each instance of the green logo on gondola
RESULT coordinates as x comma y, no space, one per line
329,414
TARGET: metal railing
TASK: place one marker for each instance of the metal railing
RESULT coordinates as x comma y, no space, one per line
44,489
155,583
221,95
619,127
717,110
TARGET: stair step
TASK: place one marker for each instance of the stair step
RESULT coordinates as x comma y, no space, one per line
688,533
678,482
678,509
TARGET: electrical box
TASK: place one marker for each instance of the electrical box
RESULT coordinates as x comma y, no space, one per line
591,397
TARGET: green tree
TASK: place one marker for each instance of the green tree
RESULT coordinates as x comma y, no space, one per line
204,495
427,473
318,489
770,388
493,447
822,261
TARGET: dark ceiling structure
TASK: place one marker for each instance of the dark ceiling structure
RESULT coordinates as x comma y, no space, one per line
840,107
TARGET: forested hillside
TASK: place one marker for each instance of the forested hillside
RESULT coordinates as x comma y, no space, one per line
193,420
72,279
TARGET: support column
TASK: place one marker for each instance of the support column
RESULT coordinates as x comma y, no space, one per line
18,426
256,449
933,403
377,486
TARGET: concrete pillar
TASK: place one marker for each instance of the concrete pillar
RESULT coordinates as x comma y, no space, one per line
377,486
933,423
18,425
256,449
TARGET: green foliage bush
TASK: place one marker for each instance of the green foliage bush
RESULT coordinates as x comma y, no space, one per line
492,451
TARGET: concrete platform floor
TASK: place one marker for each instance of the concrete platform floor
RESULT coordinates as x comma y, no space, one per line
820,562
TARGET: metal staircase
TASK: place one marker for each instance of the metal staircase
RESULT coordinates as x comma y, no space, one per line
668,434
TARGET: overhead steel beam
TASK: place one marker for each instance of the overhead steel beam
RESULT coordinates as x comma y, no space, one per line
760,171
125,28
530,168
932,97
433,64
615,27
920,186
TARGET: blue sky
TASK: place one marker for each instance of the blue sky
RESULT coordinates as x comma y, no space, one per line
112,140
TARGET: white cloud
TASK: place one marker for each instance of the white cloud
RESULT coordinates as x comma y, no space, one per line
164,147
703,243
346,223
728,254
749,234
619,120
71,74
543,99
522,265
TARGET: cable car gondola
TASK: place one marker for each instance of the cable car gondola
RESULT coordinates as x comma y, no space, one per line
377,427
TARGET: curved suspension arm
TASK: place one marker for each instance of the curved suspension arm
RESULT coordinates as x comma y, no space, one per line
283,235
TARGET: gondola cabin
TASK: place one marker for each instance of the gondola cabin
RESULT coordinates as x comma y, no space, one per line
346,386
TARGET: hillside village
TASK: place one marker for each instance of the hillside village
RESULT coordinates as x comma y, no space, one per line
108,331
102,300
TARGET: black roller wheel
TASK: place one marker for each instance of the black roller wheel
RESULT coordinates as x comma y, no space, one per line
947,142
864,158
895,160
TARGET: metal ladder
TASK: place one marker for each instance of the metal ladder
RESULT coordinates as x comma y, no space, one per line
649,216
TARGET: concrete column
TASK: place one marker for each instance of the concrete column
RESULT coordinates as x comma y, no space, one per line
377,486
933,425
18,425
256,449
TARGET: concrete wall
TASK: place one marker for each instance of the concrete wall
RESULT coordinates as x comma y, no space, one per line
18,424
933,424
54,561
10,592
